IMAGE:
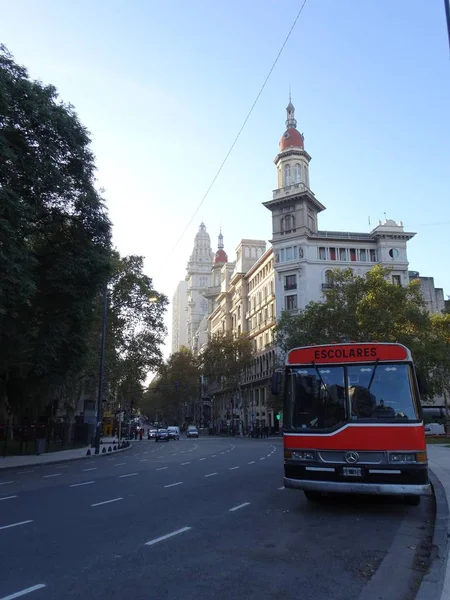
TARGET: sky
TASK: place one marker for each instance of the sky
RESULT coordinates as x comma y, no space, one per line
164,88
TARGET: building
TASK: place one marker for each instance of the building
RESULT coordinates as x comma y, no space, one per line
198,279
303,254
245,304
434,297
179,317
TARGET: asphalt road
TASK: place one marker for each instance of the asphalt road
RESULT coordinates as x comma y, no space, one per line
187,519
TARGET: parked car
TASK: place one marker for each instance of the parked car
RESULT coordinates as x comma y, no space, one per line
152,433
174,432
162,435
192,432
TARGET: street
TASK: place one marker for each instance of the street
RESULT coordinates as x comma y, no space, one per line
186,519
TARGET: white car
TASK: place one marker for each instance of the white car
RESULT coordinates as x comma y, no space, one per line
174,432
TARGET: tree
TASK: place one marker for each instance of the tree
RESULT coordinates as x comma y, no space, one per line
55,241
176,389
369,308
225,360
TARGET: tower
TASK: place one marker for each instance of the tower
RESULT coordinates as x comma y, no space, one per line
198,278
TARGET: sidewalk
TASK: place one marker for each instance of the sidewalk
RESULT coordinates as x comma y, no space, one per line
26,460
438,576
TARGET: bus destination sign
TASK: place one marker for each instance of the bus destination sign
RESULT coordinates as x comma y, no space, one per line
343,353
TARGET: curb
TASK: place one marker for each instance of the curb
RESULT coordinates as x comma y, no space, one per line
433,582
63,460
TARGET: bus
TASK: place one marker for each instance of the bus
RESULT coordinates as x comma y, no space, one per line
352,421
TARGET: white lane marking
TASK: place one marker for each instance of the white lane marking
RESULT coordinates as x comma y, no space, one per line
8,498
281,488
186,463
161,468
144,460
233,468
202,458
167,536
252,462
146,452
15,524
173,484
30,471
120,464
173,454
84,483
33,588
5,482
52,475
222,453
239,506
267,455
91,469
107,502
263,458
127,475
214,456
211,474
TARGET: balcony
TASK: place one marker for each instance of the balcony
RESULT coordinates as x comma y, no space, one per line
327,286
290,286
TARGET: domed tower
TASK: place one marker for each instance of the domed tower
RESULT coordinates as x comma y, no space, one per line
198,278
292,161
221,256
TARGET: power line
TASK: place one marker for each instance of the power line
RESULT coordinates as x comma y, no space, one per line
242,126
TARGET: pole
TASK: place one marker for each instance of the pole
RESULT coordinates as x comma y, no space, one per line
101,373
447,16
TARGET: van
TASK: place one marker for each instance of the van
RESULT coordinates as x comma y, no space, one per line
174,432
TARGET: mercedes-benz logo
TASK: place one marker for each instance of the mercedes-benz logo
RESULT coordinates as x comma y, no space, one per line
351,457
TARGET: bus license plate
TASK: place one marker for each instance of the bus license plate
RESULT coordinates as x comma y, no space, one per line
352,471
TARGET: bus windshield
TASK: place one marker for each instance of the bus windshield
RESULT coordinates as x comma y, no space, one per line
327,396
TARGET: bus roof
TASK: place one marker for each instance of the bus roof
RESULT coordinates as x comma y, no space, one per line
348,353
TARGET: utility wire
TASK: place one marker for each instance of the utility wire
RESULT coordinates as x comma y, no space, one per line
242,126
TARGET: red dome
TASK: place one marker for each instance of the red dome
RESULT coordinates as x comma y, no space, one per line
291,138
221,256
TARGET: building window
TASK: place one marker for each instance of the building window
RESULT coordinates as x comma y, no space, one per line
322,253
363,255
291,302
289,254
332,253
396,280
287,175
352,254
373,255
342,254
298,173
290,282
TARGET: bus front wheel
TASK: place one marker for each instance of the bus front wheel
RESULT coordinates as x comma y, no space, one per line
412,500
313,496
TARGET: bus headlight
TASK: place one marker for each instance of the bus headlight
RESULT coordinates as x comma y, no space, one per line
303,455
408,457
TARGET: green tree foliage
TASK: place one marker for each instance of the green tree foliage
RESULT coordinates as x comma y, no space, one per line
54,240
225,359
371,308
176,385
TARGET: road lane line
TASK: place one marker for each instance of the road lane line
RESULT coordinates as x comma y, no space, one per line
146,452
52,475
15,524
5,482
91,469
222,453
211,474
213,456
30,471
167,536
202,458
281,488
186,463
128,475
239,506
263,458
84,483
144,460
161,468
252,462
8,498
173,484
33,588
233,468
107,502
120,464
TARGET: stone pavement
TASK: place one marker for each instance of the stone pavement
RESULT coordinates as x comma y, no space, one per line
439,462
25,460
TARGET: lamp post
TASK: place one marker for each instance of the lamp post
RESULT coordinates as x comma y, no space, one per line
101,373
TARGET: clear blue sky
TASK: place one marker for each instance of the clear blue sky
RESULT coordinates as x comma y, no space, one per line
165,86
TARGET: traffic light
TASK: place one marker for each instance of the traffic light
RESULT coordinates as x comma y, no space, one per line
278,416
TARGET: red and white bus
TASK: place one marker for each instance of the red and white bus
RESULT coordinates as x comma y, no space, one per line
353,421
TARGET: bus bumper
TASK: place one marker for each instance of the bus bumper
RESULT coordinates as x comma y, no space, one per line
348,487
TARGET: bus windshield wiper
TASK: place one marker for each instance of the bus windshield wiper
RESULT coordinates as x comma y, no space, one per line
320,377
373,375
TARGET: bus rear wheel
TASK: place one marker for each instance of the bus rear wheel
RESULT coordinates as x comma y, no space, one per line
312,496
412,500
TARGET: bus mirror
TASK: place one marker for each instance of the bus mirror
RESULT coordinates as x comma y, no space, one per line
422,384
276,383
